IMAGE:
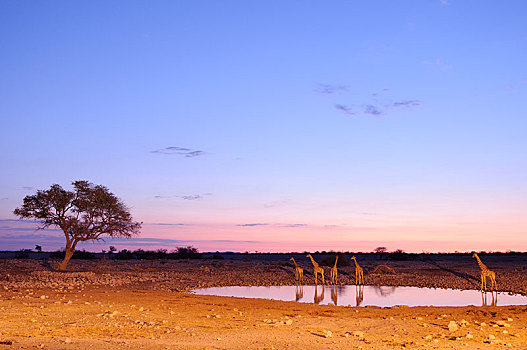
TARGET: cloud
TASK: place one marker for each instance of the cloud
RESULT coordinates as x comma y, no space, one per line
165,224
438,63
173,150
345,109
379,104
330,89
252,225
26,221
373,110
406,103
294,225
4,198
191,197
444,2
21,229
29,188
188,197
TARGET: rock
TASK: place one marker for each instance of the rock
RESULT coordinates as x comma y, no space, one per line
491,337
328,334
67,340
452,326
470,336
359,334
428,337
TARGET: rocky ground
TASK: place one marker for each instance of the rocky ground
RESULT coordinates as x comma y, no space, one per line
144,304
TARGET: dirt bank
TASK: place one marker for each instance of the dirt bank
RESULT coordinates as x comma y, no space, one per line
142,304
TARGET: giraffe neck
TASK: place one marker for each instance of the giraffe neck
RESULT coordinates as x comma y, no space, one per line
336,260
481,264
356,263
313,261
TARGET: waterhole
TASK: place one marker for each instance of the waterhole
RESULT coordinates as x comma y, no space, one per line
383,296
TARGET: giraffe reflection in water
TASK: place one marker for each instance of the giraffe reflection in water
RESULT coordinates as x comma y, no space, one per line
334,294
359,294
299,292
493,300
384,290
318,298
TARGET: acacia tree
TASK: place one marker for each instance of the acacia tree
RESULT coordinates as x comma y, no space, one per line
87,213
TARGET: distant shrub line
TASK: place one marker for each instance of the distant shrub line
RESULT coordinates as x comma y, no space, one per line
139,254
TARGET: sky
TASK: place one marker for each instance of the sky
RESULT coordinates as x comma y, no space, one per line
272,125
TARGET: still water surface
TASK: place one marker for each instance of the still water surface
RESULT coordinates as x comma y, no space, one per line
369,295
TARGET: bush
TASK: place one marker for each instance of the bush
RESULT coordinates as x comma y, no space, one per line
187,252
22,254
124,254
150,254
329,260
400,255
78,254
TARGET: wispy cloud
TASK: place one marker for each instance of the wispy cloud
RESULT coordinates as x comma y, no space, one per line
165,224
252,225
25,221
294,225
330,88
438,63
373,110
192,197
29,188
173,150
345,109
407,103
4,198
187,197
375,104
444,2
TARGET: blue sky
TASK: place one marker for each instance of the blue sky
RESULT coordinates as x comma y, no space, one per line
319,124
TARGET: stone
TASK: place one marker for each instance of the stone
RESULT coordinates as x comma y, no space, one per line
359,334
452,326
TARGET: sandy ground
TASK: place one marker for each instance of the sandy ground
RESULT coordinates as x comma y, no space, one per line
144,305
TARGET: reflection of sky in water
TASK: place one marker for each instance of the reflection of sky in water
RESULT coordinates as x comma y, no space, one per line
369,295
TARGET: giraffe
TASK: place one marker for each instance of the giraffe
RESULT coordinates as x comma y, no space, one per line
333,273
299,272
316,269
359,273
485,271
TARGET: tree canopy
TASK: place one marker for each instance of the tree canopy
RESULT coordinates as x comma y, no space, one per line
90,212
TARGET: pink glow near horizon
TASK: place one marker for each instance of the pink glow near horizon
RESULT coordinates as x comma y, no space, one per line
275,238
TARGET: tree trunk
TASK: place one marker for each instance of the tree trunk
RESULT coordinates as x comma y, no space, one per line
69,253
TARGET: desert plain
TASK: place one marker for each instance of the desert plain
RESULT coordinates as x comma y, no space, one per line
149,304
